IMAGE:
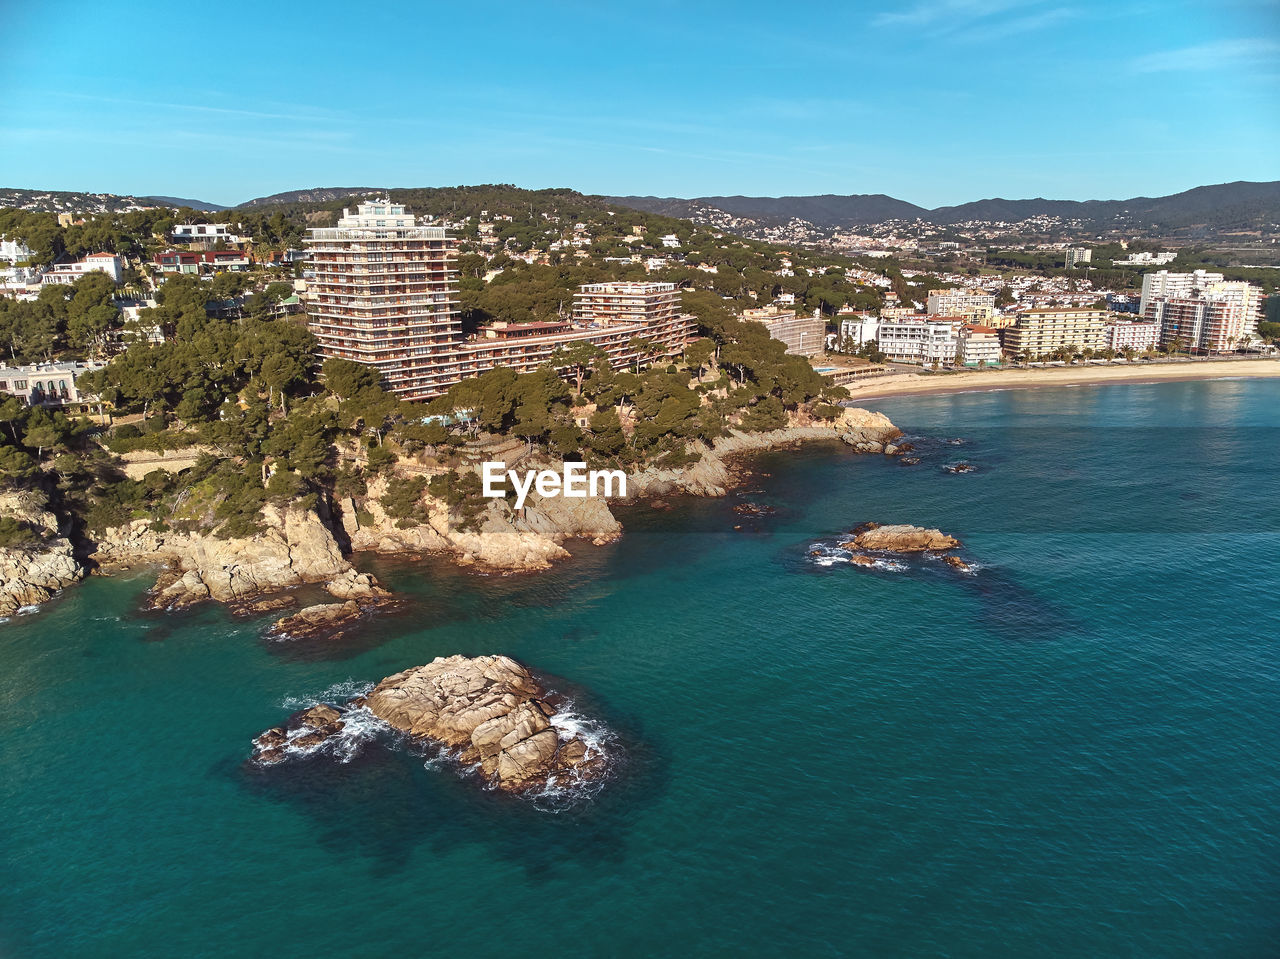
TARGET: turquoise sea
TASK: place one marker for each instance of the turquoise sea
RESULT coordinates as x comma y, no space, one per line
1074,752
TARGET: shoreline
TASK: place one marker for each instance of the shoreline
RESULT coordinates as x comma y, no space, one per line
911,384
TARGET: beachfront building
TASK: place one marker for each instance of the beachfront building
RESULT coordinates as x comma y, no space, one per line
1201,310
1211,323
978,345
1041,332
66,273
802,335
924,340
47,384
1140,335
975,305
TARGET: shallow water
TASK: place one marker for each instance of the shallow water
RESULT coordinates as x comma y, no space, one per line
1071,752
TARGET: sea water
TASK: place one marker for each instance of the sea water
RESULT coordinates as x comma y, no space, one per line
1073,750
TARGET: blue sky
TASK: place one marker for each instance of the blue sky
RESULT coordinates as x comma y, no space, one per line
932,101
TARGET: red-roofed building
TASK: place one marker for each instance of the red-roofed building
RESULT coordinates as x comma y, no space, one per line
978,345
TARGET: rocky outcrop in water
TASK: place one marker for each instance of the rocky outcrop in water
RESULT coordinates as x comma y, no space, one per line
30,575
873,537
488,710
330,620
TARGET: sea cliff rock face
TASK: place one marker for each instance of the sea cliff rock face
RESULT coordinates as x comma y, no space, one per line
31,575
900,539
504,540
295,548
488,709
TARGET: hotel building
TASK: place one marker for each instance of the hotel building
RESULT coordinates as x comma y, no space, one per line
384,294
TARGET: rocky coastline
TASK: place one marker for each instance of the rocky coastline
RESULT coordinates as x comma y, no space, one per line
300,546
32,574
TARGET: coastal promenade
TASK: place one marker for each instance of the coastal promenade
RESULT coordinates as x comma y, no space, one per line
1006,379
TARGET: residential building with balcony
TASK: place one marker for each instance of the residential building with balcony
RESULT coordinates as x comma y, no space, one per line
975,305
66,273
978,345
1078,256
384,294
923,340
1140,335
1039,332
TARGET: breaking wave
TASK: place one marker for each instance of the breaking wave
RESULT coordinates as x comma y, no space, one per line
337,692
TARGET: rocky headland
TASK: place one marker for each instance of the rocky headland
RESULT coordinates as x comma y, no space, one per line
488,712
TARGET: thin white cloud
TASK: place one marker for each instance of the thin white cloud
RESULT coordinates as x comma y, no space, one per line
958,12
302,114
1015,25
1218,55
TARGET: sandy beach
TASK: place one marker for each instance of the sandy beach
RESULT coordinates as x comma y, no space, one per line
1015,379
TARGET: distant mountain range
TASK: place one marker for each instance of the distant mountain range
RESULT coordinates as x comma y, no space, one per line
1224,207
1239,205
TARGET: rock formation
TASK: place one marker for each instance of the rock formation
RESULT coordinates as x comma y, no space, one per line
29,575
900,539
296,547
489,710
327,619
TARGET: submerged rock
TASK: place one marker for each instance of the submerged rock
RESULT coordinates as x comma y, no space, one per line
955,562
487,709
325,619
959,468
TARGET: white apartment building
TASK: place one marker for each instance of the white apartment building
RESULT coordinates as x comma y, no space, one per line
976,305
1137,335
1146,258
1164,283
208,233
64,273
922,340
857,329
1077,255
14,252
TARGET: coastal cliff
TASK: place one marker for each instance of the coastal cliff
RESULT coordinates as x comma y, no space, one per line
295,547
299,545
32,572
